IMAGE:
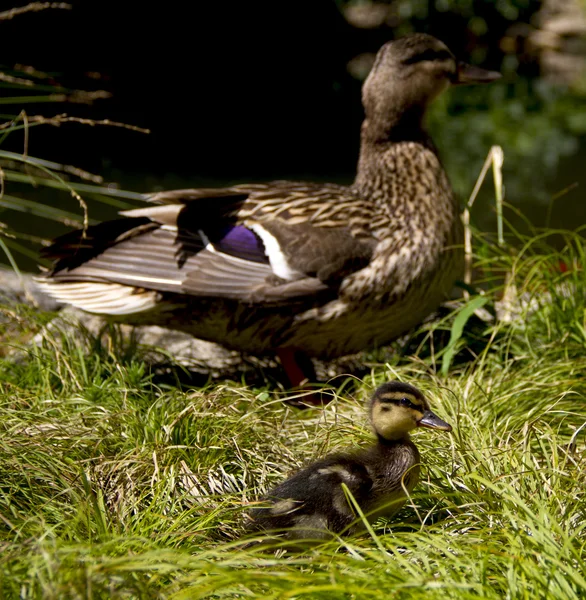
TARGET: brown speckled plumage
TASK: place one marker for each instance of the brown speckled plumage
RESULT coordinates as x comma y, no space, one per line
343,269
312,503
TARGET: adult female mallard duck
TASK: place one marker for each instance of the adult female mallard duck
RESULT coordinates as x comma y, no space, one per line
312,504
287,267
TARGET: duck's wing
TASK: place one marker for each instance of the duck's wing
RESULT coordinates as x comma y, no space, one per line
317,229
221,243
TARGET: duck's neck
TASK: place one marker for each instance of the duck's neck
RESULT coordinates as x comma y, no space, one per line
392,125
388,443
395,154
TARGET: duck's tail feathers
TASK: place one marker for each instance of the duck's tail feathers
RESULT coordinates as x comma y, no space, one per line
100,298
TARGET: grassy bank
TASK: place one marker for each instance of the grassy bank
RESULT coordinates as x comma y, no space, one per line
115,485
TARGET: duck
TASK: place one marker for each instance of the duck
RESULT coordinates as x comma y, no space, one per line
313,505
296,269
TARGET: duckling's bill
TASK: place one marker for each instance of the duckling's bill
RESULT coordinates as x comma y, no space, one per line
432,421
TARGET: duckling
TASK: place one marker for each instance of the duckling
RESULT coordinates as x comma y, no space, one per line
300,269
312,505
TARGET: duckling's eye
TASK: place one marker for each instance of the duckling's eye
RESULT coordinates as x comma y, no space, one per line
406,402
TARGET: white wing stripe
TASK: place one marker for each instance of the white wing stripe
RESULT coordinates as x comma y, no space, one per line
276,257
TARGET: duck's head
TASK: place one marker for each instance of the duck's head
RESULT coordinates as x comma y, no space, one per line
397,408
409,73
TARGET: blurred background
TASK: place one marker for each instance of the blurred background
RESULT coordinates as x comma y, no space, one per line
243,91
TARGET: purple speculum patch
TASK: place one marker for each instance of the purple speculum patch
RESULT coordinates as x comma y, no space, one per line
241,242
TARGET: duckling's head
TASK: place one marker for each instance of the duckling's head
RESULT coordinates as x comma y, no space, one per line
408,74
396,408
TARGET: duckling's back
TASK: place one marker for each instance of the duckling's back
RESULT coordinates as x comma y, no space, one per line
313,504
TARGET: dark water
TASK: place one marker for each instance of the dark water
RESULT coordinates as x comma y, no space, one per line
229,99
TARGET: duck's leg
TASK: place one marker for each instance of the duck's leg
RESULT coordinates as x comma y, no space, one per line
297,365
301,374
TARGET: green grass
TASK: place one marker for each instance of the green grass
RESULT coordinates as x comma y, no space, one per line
116,486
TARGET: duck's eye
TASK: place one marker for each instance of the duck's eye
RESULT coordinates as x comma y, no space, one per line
428,55
406,402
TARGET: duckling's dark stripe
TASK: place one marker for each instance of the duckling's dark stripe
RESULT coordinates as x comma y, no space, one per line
412,402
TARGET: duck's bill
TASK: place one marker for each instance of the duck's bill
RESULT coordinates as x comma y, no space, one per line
470,74
432,421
